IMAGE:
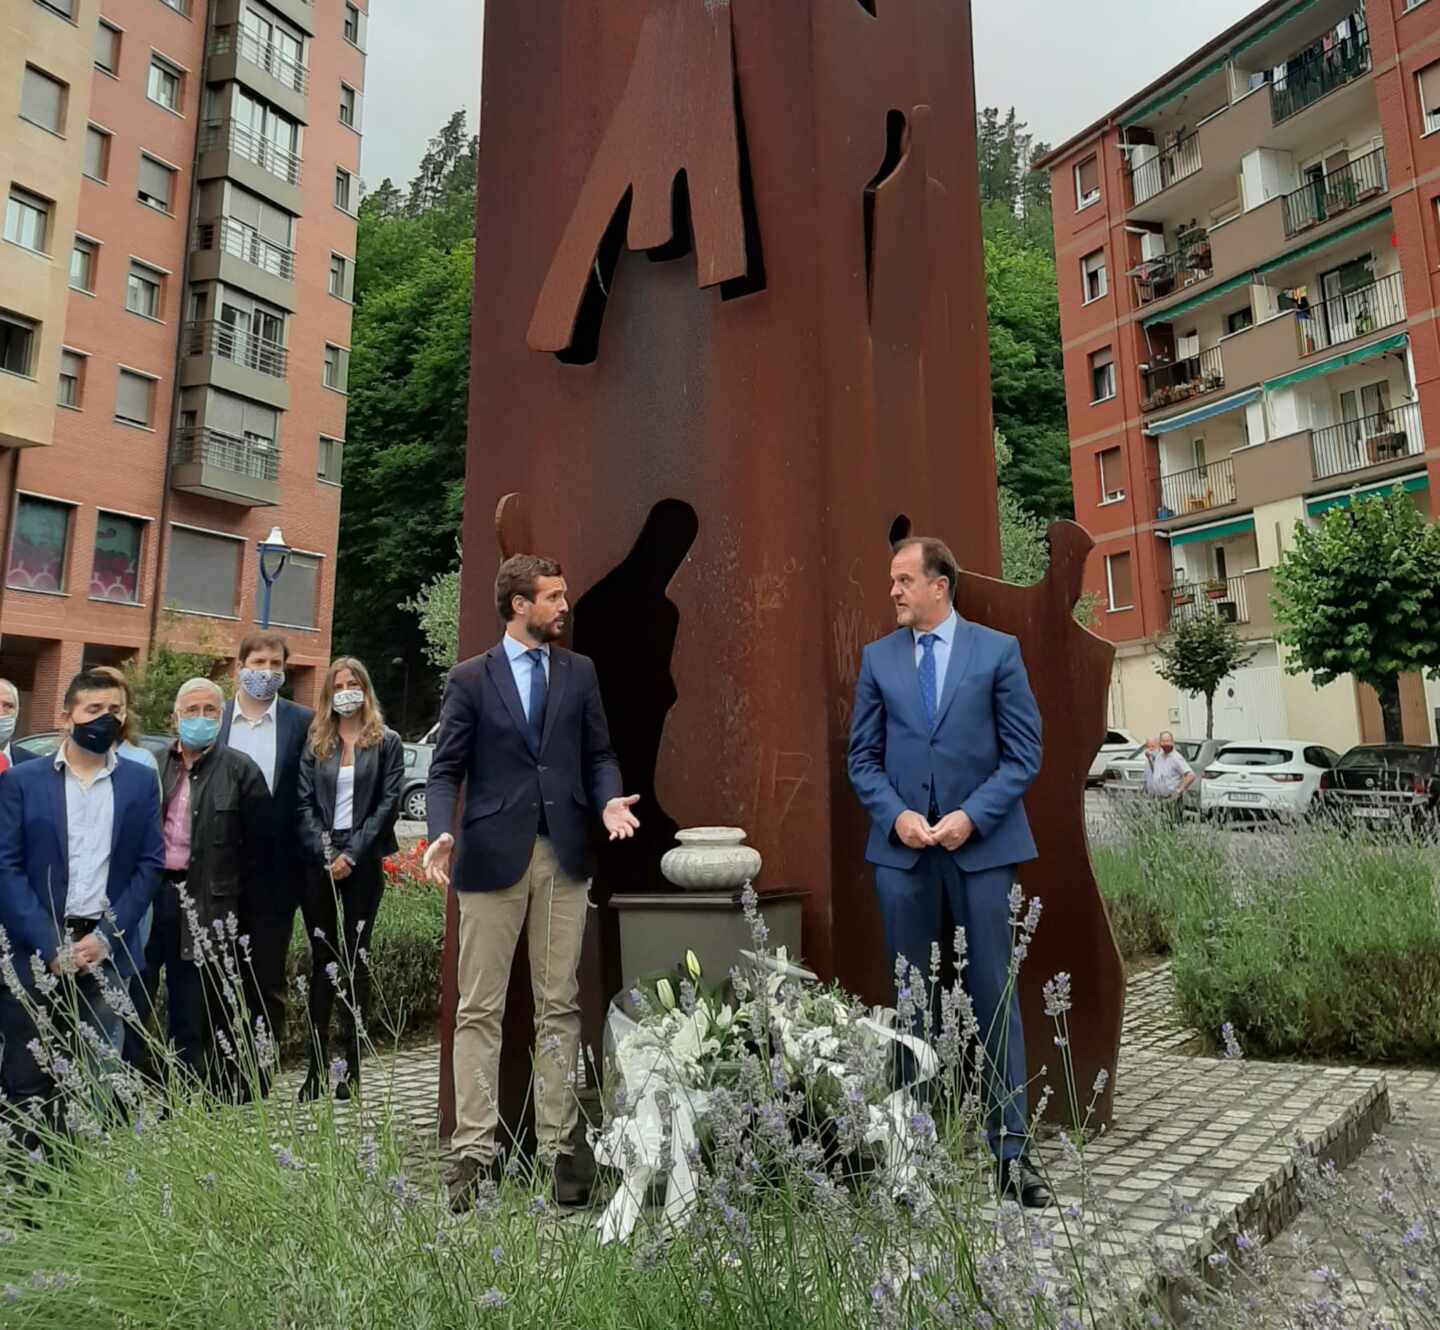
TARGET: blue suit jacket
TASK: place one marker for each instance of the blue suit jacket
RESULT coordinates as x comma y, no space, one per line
35,859
981,756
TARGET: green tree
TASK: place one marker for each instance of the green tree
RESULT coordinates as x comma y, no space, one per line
1205,651
437,606
155,680
1360,595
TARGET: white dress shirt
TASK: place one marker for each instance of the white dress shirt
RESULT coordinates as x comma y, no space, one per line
345,798
522,667
90,826
256,738
944,640
1164,773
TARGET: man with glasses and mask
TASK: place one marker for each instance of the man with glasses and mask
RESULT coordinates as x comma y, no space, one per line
9,718
80,862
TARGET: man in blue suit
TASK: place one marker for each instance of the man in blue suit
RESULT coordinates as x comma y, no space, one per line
80,861
944,742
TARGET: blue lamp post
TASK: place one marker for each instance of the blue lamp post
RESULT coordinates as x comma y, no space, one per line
274,553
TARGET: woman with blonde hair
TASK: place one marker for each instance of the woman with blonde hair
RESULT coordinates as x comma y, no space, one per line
350,778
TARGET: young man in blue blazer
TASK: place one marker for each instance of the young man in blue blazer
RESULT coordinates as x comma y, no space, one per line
944,742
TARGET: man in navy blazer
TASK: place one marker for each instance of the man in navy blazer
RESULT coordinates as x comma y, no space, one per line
944,742
80,861
523,726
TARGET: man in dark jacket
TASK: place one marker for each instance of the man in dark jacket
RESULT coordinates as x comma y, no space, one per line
216,819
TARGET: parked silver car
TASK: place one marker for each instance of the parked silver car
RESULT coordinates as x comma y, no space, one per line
417,772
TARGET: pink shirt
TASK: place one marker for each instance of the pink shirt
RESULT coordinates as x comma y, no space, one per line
177,826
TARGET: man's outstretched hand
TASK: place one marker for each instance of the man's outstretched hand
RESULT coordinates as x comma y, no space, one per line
437,860
619,821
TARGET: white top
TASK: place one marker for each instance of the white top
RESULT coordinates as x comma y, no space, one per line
256,738
90,824
1166,772
522,667
345,799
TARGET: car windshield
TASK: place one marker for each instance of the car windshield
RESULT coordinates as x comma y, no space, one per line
1189,749
1255,757
1390,755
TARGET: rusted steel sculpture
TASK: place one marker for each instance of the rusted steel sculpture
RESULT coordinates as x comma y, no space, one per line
794,370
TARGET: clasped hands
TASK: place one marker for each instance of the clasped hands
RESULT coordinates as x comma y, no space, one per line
949,833
81,956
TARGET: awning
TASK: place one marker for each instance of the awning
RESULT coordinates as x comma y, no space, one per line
1410,484
1214,531
1203,413
1185,306
1357,357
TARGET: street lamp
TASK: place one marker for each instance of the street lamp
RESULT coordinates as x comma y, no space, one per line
405,693
272,547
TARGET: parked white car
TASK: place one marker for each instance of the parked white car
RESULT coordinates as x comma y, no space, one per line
1265,778
1118,743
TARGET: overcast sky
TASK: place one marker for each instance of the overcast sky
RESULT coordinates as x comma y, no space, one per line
1060,63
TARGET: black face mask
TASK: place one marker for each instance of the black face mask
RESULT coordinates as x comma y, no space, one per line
99,735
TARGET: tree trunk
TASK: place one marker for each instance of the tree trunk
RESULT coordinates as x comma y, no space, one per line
1210,715
1388,690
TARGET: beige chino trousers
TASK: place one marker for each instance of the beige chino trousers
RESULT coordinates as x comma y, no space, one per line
490,926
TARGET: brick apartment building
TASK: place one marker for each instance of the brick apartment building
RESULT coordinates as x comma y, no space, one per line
180,179
1249,277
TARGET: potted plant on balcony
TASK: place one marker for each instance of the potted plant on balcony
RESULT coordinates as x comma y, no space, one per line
1215,588
1182,594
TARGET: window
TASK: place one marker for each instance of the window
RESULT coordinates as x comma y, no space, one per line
1112,478
352,25
72,376
1428,80
340,281
107,48
1102,375
1239,320
65,8
97,154
337,368
330,459
42,100
157,184
17,342
342,189
179,6
165,86
347,105
135,399
39,545
27,220
204,573
1092,276
82,264
143,290
1087,183
1117,582
115,573
294,600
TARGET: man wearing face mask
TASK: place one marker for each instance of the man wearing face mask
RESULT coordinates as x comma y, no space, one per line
80,861
1167,774
217,815
9,716
270,730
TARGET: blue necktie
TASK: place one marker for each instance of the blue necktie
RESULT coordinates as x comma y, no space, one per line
927,676
538,693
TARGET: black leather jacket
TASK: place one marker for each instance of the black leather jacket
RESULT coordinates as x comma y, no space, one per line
379,775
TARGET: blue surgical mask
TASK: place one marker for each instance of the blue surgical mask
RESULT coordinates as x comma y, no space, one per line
262,685
199,731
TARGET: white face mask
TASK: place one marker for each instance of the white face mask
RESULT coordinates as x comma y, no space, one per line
348,701
7,729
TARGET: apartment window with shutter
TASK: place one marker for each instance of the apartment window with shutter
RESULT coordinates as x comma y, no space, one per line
347,105
39,545
72,376
1428,80
1102,375
135,399
1087,183
42,100
1118,582
97,154
1092,276
204,573
107,48
342,189
82,264
157,184
65,8
337,368
1112,478
27,221
341,284
18,336
352,25
143,290
166,85
329,460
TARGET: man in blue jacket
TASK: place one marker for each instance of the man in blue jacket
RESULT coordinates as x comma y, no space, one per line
80,861
944,742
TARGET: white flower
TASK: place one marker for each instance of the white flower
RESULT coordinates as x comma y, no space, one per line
666,994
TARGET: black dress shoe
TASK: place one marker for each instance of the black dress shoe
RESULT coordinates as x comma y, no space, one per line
1019,1181
569,1187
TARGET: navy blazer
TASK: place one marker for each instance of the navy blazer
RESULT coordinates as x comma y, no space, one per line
292,725
35,858
981,756
485,741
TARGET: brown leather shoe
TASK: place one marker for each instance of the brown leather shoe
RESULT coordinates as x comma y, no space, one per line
463,1179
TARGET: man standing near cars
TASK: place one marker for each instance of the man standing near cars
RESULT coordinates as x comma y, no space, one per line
523,726
270,730
9,718
1167,774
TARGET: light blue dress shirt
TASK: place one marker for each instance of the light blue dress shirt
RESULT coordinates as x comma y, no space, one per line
521,667
945,639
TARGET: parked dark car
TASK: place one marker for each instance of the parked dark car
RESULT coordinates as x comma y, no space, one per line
46,742
1385,785
417,772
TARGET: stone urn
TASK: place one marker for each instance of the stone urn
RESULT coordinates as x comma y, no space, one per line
711,859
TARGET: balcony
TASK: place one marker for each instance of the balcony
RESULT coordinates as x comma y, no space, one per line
1351,315
1353,184
228,467
1318,74
1357,445
236,53
1188,263
230,149
1169,166
235,360
300,12
229,251
1228,598
1200,488
1180,380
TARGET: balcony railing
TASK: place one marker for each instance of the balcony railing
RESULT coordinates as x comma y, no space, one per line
238,345
265,55
1355,445
1199,488
1189,262
1227,598
243,242
1338,192
1318,74
1171,164
231,452
252,147
1356,313
1180,380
